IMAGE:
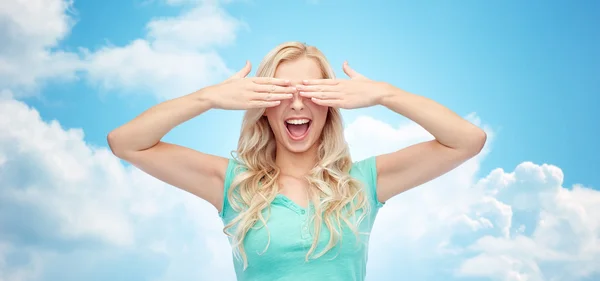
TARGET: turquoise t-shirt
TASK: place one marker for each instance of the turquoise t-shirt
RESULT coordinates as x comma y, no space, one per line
291,238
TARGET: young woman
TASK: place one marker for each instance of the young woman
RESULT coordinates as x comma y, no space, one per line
294,205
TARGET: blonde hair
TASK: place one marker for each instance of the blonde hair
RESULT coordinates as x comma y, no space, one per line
331,191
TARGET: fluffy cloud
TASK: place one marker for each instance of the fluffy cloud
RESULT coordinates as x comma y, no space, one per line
66,203
176,56
29,30
553,226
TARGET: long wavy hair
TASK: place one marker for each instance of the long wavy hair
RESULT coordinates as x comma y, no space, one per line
334,194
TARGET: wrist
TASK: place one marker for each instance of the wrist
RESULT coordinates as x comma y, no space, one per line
389,93
204,96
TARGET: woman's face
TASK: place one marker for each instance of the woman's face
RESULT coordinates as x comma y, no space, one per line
297,123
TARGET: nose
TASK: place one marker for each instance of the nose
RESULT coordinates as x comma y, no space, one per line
297,102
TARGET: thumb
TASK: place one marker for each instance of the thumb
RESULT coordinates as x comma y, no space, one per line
243,72
350,72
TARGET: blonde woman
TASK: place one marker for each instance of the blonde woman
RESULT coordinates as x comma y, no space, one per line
294,204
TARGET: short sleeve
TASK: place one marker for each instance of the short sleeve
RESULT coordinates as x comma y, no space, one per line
229,176
366,171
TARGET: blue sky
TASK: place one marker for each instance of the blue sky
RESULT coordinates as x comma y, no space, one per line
525,71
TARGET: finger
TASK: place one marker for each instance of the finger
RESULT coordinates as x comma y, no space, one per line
271,81
321,95
320,82
273,89
243,72
330,103
316,88
272,97
263,104
350,72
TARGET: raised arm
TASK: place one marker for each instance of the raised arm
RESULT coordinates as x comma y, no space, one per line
139,140
456,140
139,143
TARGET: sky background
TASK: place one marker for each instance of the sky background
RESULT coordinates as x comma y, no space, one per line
526,208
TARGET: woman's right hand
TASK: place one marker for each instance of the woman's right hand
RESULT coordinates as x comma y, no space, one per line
239,92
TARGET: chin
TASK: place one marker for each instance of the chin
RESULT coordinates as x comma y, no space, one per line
299,148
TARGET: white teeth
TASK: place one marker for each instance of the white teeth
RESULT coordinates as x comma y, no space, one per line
297,121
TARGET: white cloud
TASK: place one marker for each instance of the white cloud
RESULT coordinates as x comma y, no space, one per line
200,28
29,30
47,165
139,68
196,2
11,272
59,192
176,58
565,231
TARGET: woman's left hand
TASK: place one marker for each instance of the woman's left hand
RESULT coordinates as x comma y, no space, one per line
356,92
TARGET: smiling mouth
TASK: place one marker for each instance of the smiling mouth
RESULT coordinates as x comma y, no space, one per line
298,128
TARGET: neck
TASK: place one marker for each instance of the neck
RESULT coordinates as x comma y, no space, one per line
296,164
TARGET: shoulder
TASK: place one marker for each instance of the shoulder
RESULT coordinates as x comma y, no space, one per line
366,172
234,167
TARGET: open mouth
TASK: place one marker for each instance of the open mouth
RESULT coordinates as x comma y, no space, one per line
297,128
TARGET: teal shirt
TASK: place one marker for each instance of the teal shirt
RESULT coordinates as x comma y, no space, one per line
291,238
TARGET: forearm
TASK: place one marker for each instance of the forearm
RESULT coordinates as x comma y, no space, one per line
148,128
447,127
